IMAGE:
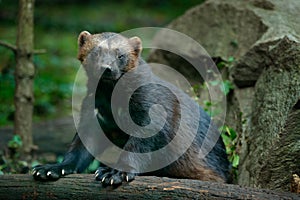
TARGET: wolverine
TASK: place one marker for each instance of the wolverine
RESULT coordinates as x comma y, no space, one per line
159,110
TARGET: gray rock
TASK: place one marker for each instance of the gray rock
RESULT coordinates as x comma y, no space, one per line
263,36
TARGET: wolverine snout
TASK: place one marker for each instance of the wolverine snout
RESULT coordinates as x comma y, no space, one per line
108,67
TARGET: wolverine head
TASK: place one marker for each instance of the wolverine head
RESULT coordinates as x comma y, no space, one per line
108,55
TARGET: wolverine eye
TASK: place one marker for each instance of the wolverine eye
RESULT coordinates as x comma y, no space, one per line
121,56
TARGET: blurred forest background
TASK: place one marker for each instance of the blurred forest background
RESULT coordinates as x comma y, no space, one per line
254,44
57,25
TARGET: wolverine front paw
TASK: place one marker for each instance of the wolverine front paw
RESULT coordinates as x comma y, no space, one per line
50,172
112,177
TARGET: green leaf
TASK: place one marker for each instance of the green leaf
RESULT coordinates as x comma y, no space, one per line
1,172
23,163
226,86
196,87
34,163
17,139
232,148
207,103
236,160
229,152
59,159
3,167
226,139
214,83
221,65
231,133
231,59
15,142
93,166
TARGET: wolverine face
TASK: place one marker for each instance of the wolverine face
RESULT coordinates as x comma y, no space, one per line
108,55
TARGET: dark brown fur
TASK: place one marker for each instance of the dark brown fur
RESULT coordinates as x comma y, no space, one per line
97,54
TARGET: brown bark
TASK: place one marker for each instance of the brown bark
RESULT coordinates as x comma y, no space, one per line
24,74
85,187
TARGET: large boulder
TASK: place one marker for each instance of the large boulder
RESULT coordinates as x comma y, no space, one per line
263,36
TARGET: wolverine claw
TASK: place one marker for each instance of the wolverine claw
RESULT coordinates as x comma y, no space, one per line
112,177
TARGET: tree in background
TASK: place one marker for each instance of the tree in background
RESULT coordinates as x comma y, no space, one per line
24,74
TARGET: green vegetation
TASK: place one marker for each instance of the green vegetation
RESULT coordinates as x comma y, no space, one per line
57,25
10,160
228,134
230,139
12,163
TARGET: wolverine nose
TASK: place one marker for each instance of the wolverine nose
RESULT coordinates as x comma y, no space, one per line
107,68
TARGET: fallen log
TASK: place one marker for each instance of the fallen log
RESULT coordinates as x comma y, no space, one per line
83,186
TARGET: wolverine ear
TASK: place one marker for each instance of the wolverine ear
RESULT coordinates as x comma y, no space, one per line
136,44
82,38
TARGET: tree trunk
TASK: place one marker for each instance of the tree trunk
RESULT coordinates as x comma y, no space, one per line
24,74
85,187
